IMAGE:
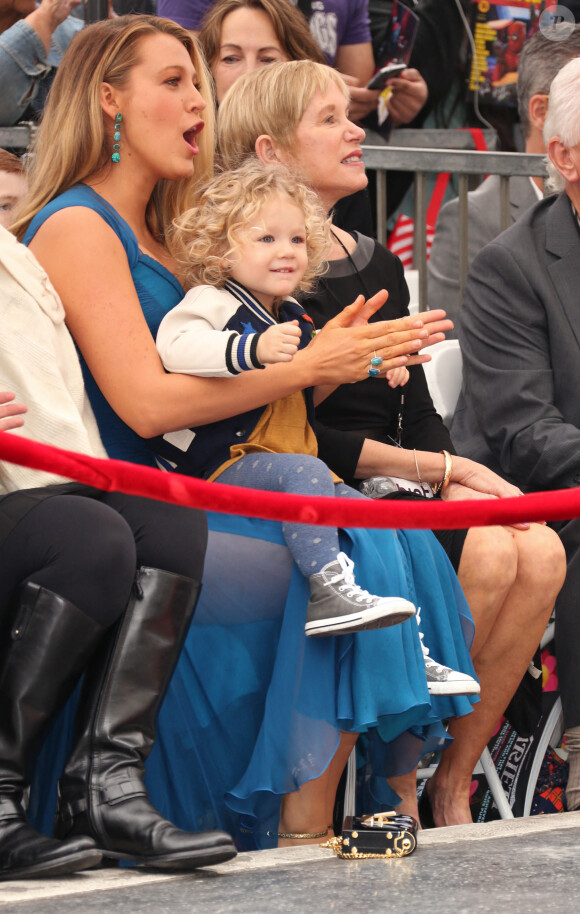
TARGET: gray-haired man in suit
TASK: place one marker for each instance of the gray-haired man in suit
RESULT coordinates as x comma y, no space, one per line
519,409
539,62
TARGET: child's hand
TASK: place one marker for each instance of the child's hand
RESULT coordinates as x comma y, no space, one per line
397,377
279,343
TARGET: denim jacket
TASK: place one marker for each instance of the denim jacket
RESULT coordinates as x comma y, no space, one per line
26,72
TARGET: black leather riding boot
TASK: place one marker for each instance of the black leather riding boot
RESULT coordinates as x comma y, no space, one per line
47,649
102,792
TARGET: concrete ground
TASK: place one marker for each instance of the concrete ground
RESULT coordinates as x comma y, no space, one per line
516,866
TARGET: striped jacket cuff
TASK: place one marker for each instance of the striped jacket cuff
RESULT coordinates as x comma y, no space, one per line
241,352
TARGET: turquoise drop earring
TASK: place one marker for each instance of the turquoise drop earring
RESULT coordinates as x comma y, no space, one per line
116,155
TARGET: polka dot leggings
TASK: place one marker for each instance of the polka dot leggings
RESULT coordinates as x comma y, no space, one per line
311,547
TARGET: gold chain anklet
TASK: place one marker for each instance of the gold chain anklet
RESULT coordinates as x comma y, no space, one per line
319,834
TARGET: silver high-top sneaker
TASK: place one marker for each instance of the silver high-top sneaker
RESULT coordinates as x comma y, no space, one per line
338,605
441,679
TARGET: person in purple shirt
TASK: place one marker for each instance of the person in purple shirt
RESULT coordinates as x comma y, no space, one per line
341,29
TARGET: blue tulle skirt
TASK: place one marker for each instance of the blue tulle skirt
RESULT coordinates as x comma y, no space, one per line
255,708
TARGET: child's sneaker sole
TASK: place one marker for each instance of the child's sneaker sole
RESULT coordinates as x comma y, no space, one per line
362,620
458,687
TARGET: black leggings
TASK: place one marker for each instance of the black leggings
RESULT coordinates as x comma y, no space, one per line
86,547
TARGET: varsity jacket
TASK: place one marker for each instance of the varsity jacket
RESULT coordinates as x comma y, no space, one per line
214,333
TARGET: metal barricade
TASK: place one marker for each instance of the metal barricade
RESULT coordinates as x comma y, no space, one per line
460,162
19,137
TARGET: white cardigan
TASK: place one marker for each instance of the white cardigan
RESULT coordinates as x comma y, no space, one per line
39,363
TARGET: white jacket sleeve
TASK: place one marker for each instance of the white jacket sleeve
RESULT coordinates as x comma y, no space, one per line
190,339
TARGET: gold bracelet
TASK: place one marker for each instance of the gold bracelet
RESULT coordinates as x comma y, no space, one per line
446,474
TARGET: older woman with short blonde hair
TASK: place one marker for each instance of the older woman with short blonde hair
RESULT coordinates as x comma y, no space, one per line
297,114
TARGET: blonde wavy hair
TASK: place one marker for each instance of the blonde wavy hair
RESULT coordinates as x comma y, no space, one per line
72,143
205,236
272,101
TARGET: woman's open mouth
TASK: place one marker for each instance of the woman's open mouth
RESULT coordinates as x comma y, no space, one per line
355,158
190,135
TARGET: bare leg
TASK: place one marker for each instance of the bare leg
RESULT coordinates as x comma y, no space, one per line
510,613
309,810
406,786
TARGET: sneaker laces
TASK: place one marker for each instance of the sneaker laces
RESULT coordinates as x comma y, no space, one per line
349,584
428,660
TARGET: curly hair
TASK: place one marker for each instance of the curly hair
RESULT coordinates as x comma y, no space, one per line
205,236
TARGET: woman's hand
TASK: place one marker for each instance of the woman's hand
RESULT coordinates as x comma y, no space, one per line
10,413
434,323
397,342
481,479
47,17
359,313
456,492
472,480
342,351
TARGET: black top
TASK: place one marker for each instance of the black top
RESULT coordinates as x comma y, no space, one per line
370,408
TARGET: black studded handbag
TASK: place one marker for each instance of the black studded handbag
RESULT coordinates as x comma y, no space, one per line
382,835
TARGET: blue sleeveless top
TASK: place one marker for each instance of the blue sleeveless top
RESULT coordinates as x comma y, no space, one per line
158,291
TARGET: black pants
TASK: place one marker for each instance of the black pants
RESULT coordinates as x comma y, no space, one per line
86,547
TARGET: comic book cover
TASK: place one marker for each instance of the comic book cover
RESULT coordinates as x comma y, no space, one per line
395,49
400,34
499,32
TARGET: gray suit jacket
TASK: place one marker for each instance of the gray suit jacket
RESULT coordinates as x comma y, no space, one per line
482,227
519,408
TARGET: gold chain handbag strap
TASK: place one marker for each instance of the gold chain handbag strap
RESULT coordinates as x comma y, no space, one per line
403,846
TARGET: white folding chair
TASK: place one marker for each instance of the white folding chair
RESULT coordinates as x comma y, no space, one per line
412,280
444,374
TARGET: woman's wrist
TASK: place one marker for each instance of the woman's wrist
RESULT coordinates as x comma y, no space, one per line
41,22
379,459
447,471
304,369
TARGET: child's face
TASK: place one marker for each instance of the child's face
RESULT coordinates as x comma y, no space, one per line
271,257
12,189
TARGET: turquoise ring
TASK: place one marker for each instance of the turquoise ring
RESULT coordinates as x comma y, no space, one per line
375,362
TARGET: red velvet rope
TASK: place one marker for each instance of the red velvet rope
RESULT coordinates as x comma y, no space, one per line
117,475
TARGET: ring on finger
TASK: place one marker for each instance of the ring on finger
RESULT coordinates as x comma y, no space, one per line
374,369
